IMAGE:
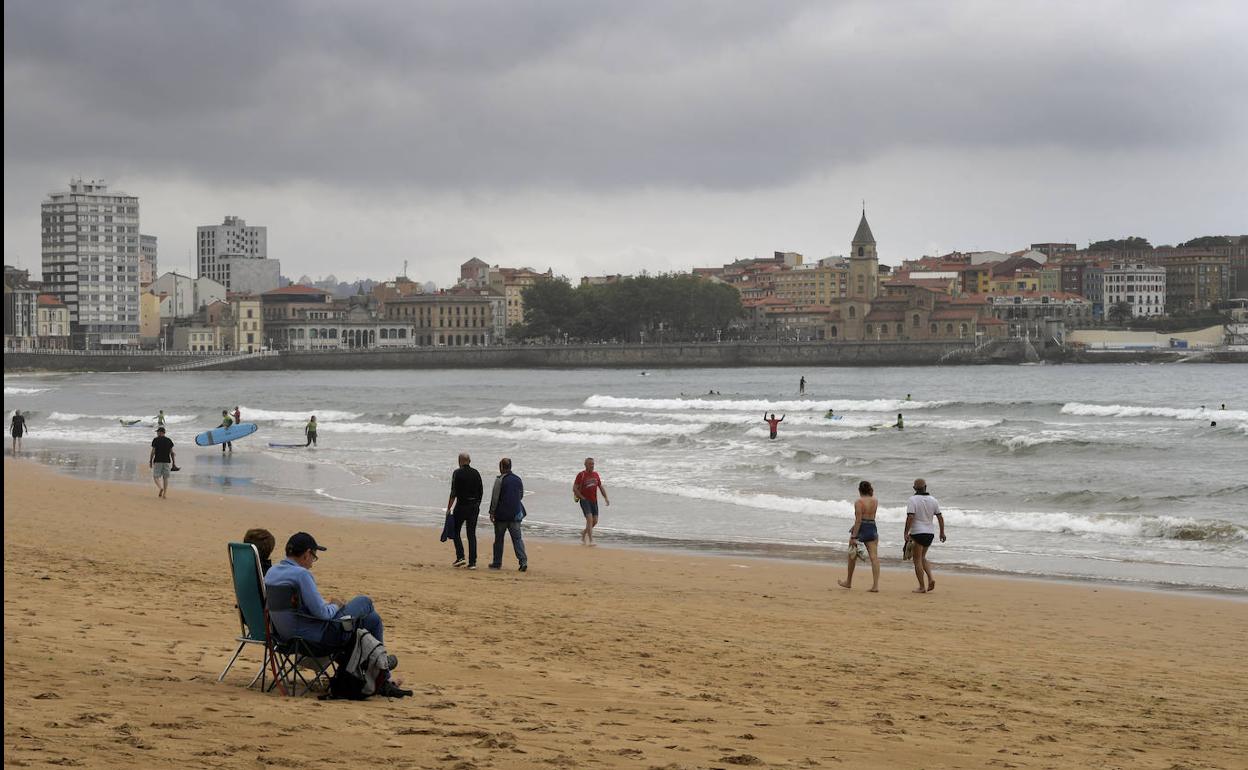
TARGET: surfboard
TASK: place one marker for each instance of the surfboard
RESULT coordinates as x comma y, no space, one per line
833,417
286,446
129,423
222,435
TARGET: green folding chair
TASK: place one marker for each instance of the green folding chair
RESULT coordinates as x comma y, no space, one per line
249,598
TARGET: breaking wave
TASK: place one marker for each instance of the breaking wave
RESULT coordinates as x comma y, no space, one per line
760,405
322,415
1122,410
13,390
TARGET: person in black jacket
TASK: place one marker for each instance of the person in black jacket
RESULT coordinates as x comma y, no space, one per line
466,500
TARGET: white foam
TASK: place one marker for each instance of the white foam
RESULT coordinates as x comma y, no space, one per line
251,414
438,419
620,428
836,435
518,410
793,475
1029,440
1123,410
13,390
760,405
146,418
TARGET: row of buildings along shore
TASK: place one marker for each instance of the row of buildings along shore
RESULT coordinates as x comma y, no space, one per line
101,289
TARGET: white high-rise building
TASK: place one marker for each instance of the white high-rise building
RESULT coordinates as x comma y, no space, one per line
236,256
91,262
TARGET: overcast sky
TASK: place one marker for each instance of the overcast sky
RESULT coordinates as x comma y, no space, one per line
620,136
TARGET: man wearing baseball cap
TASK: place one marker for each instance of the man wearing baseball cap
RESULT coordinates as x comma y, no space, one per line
296,570
161,460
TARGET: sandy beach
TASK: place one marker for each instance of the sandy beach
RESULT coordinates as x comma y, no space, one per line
118,616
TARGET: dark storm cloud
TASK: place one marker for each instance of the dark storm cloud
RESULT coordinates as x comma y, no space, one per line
504,95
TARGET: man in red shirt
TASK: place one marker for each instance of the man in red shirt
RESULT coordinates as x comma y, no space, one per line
772,423
585,491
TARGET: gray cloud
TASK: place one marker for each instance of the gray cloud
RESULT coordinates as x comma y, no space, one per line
576,98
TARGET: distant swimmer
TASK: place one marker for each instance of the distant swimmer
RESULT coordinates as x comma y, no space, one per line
17,429
830,415
772,423
160,419
238,417
309,430
644,374
1213,424
907,396
1224,407
899,425
801,387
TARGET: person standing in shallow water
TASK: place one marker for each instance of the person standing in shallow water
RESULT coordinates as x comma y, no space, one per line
772,423
309,430
864,531
801,387
17,429
921,510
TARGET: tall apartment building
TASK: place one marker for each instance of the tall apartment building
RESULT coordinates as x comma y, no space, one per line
236,256
147,259
815,284
1141,286
91,262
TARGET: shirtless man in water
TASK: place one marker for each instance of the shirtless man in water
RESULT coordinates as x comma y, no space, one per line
772,423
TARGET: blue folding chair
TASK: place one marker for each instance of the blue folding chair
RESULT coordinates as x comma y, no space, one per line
250,600
299,660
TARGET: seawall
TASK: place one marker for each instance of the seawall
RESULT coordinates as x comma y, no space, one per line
537,356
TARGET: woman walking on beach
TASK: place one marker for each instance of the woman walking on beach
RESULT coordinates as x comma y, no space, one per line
864,532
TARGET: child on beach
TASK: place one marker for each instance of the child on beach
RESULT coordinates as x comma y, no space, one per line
864,532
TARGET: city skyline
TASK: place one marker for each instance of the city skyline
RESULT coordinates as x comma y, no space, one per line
591,140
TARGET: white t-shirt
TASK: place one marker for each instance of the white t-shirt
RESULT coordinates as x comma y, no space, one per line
924,509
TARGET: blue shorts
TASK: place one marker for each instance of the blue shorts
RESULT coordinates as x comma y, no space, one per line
867,532
589,507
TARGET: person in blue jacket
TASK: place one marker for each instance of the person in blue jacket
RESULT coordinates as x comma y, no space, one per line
507,511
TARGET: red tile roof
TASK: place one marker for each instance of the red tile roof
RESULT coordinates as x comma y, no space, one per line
47,300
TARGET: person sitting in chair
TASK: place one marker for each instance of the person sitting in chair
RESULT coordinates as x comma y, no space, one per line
311,621
264,542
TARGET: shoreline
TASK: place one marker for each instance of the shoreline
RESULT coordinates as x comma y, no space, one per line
829,557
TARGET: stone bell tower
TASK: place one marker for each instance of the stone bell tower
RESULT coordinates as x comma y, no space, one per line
864,263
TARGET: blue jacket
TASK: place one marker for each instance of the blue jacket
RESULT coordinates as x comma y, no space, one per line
505,504
285,573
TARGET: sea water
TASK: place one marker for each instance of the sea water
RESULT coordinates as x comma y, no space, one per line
1109,472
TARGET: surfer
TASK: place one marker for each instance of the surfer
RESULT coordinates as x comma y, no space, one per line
17,429
830,415
772,423
801,386
899,425
238,417
160,419
226,422
907,396
309,430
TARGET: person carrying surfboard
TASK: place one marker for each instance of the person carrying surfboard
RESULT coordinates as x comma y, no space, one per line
310,431
226,421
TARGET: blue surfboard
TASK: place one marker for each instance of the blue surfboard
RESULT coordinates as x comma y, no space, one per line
222,435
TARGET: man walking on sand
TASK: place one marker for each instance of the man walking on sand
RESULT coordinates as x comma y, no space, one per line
921,509
585,491
161,460
506,512
466,499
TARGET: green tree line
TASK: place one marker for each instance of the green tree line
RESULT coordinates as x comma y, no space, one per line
666,307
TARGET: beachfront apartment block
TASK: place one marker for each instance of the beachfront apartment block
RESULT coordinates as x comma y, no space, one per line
1197,282
455,318
90,256
1141,286
235,255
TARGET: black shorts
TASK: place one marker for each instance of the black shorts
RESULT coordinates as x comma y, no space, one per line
923,538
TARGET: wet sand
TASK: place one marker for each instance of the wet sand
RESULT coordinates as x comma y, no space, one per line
119,616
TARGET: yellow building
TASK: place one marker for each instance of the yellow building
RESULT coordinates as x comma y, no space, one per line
247,324
811,285
149,315
511,283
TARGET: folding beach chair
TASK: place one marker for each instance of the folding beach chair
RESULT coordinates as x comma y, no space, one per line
249,599
296,660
